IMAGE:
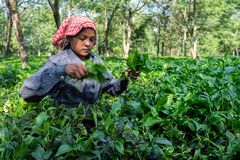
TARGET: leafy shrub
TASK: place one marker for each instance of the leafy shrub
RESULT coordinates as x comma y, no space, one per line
181,109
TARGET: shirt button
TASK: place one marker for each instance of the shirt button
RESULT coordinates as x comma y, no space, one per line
62,77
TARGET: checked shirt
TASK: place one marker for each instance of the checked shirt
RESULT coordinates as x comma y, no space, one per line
52,80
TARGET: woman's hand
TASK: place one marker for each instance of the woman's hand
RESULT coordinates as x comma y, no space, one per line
132,74
76,70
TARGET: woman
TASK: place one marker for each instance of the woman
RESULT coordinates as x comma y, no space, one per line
76,36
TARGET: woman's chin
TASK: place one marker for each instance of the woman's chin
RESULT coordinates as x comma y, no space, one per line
83,54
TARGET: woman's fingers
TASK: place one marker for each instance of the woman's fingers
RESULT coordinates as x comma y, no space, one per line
82,70
134,74
70,69
76,70
77,73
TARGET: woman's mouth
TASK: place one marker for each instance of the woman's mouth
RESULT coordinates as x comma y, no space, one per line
86,50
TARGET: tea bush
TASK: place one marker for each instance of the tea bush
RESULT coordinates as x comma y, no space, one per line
180,109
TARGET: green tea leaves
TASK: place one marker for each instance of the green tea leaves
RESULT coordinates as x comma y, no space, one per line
150,121
116,106
119,146
97,71
40,119
65,148
40,154
181,109
137,61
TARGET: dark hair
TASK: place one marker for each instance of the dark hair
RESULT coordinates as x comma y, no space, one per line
65,46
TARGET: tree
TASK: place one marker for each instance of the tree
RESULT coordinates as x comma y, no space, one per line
8,33
189,14
129,9
105,11
12,6
193,15
160,23
228,30
39,27
110,13
55,9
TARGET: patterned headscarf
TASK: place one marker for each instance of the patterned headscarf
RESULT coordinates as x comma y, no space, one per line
71,27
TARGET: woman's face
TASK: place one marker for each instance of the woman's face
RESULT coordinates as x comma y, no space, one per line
83,42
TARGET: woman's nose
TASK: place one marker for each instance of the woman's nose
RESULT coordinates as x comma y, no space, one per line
87,42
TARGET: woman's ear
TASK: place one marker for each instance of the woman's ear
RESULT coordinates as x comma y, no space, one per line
69,39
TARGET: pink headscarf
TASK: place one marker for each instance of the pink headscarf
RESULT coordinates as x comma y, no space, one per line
70,27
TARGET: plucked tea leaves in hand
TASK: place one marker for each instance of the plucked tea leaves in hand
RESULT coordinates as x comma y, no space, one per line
97,71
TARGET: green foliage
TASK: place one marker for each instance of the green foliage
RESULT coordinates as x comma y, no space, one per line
180,117
38,35
97,71
136,61
9,76
3,25
157,28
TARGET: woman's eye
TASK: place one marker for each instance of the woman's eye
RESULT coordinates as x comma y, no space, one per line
92,40
82,38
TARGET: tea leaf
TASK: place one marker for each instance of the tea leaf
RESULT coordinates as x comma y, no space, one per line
119,146
97,71
136,61
164,141
65,148
116,106
40,154
150,121
40,119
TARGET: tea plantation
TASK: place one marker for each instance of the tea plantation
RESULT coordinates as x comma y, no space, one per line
179,109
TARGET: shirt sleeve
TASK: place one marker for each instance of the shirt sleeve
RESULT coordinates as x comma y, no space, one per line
115,86
43,82
112,86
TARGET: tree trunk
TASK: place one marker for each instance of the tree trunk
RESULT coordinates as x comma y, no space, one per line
235,52
97,45
178,52
128,31
163,48
194,43
69,8
170,50
55,9
158,46
185,30
185,42
12,6
156,40
127,34
6,43
194,33
124,37
108,29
